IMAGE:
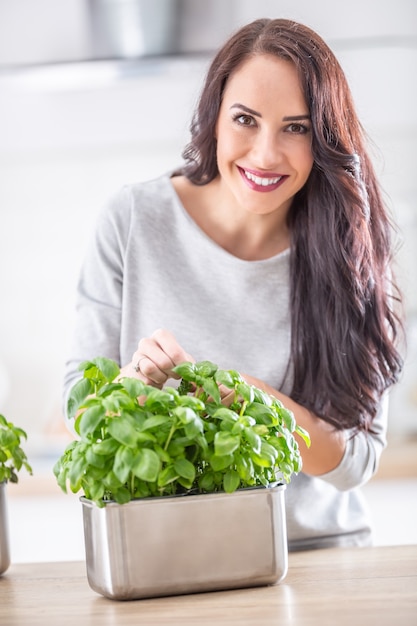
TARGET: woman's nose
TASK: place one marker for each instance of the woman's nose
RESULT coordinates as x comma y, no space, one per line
267,151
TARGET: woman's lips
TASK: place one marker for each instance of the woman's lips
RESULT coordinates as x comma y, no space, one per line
262,182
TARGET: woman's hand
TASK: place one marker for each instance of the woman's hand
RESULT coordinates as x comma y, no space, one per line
155,358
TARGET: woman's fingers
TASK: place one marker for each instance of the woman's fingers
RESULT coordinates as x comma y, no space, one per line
170,347
156,357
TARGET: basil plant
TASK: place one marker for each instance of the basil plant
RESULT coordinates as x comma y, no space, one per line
137,441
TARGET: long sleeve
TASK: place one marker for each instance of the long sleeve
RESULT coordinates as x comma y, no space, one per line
362,454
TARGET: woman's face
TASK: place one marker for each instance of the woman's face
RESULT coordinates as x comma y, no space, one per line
263,135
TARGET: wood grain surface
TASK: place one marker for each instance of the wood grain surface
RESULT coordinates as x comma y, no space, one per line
358,586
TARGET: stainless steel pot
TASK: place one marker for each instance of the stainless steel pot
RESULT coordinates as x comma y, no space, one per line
4,537
182,544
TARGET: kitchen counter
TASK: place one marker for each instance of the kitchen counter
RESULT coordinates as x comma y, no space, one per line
338,586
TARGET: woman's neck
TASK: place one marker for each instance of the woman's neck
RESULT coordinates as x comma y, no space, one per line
244,235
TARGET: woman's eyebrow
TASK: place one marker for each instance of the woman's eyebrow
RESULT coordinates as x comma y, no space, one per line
288,118
237,105
295,118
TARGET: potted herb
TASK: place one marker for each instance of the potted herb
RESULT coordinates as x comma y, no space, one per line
12,459
181,493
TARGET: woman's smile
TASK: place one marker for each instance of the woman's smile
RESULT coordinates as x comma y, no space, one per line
262,182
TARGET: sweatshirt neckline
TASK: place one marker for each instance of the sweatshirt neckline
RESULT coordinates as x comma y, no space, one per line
211,243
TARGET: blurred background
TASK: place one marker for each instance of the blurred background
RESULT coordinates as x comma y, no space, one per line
98,93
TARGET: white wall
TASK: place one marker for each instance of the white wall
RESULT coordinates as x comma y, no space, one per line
71,135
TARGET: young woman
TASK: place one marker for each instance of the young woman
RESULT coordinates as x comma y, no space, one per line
268,252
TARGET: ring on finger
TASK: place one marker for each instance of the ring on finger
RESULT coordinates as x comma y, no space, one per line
137,366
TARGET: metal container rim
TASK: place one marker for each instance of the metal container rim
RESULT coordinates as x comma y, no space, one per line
273,487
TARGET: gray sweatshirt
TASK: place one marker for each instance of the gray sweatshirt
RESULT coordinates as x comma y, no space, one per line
150,266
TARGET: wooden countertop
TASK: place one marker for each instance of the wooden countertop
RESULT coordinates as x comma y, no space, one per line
344,586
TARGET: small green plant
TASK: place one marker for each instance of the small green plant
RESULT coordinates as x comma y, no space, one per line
138,441
12,456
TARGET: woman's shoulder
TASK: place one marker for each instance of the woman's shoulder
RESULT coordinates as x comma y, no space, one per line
150,200
145,195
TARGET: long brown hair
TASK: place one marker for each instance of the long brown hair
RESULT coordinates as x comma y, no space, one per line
345,324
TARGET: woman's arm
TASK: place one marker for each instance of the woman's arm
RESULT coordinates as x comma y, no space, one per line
327,444
343,458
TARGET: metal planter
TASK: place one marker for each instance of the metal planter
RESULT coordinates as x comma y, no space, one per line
186,544
4,537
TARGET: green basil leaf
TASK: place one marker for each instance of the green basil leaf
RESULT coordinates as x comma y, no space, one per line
226,414
206,482
95,491
253,439
225,443
261,430
123,431
167,476
205,368
219,463
176,447
304,435
107,447
107,367
262,397
244,467
122,495
76,472
96,460
154,421
231,481
134,387
111,481
123,462
91,419
211,388
288,419
7,439
144,437
78,394
262,460
185,469
262,414
19,432
185,414
159,400
245,391
194,428
146,465
266,448
267,457
163,454
223,377
192,402
237,428
185,370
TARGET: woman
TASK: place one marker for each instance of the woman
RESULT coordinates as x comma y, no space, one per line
268,252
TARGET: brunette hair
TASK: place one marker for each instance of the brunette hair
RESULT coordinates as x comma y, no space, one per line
345,324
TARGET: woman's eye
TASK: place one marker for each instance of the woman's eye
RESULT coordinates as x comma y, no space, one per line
245,120
298,129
